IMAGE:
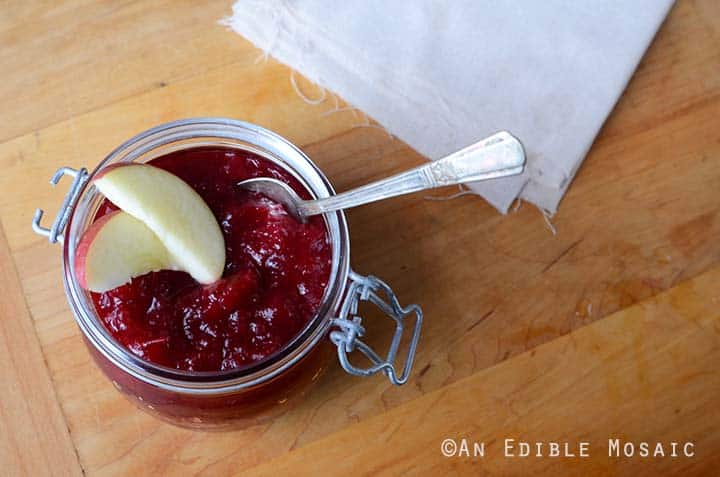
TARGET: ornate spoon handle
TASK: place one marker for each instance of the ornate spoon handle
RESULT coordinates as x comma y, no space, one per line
500,155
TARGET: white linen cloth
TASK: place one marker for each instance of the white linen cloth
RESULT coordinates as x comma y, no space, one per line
441,75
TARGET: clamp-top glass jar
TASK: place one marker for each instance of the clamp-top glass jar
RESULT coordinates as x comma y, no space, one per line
250,394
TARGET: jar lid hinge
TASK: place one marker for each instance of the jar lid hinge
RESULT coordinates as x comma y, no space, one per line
55,232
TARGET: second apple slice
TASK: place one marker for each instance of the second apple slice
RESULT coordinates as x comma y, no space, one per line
174,211
116,248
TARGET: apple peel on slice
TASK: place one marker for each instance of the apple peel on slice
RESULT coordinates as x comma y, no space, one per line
116,248
172,209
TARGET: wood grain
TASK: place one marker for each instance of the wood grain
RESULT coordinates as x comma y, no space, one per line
647,371
641,216
61,59
34,438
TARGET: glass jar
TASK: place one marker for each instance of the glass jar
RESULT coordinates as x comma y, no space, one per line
248,395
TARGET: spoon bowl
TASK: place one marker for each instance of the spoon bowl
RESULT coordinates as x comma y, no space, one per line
279,192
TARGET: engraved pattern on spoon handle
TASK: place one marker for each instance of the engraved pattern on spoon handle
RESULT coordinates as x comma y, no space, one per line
499,155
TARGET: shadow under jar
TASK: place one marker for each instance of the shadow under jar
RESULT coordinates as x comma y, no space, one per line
261,390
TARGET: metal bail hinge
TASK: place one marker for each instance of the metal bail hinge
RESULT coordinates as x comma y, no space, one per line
349,329
55,232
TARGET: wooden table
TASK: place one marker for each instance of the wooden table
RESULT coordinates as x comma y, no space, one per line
610,329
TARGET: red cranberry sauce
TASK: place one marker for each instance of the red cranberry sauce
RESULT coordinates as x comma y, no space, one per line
275,274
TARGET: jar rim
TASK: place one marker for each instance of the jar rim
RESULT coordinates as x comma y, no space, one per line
186,134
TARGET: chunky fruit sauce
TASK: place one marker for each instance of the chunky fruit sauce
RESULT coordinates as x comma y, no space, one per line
276,271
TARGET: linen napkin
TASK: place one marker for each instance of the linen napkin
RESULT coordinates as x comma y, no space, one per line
441,75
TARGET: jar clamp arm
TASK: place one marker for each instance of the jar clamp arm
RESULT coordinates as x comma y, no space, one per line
349,329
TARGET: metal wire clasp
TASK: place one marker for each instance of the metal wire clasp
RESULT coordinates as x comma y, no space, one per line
55,232
349,329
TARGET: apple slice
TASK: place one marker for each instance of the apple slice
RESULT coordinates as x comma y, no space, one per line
174,211
116,248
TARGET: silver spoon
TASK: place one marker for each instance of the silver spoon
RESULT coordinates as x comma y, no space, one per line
499,155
